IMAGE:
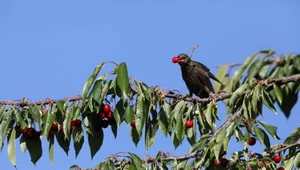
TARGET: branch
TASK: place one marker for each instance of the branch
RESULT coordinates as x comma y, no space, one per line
219,97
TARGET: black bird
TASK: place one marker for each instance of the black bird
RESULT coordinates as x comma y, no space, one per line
196,76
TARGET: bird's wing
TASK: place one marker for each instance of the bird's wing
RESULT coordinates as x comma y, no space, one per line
201,71
209,74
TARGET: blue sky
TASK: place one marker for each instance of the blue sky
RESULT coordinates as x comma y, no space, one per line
48,49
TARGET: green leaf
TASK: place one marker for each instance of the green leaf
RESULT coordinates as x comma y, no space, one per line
95,142
179,130
63,143
288,102
268,102
163,121
11,147
140,114
136,161
239,73
74,167
90,81
129,114
255,68
237,95
50,117
51,149
220,76
35,149
293,137
271,129
78,140
35,113
262,136
135,136
4,125
175,140
122,81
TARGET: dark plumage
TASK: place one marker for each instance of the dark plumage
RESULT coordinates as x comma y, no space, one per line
196,76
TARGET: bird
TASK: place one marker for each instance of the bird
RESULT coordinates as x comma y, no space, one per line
196,76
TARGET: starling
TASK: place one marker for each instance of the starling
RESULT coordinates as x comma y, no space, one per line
196,76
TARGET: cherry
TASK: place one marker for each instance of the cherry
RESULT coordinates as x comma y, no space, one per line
280,168
153,121
77,122
251,141
132,123
106,108
104,123
54,127
224,162
175,60
109,115
31,132
249,168
276,158
189,124
25,131
101,115
216,163
51,133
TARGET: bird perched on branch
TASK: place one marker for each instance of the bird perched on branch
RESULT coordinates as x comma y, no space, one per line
195,75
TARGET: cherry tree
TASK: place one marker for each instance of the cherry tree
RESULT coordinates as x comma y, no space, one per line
113,98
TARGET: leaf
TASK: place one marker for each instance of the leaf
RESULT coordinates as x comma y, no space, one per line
288,102
122,81
4,124
175,140
63,143
179,130
140,114
255,68
90,81
74,167
237,95
220,76
129,114
271,129
35,113
95,142
268,102
163,121
11,148
136,161
35,149
135,136
78,140
262,136
51,149
50,117
239,73
293,137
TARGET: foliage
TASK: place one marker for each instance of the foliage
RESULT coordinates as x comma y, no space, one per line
262,80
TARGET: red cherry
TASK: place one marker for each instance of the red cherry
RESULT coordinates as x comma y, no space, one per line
51,133
24,131
109,115
77,122
106,108
224,162
251,141
153,121
132,123
175,60
72,123
101,115
61,130
54,127
189,124
104,123
280,168
31,132
276,158
249,168
216,163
